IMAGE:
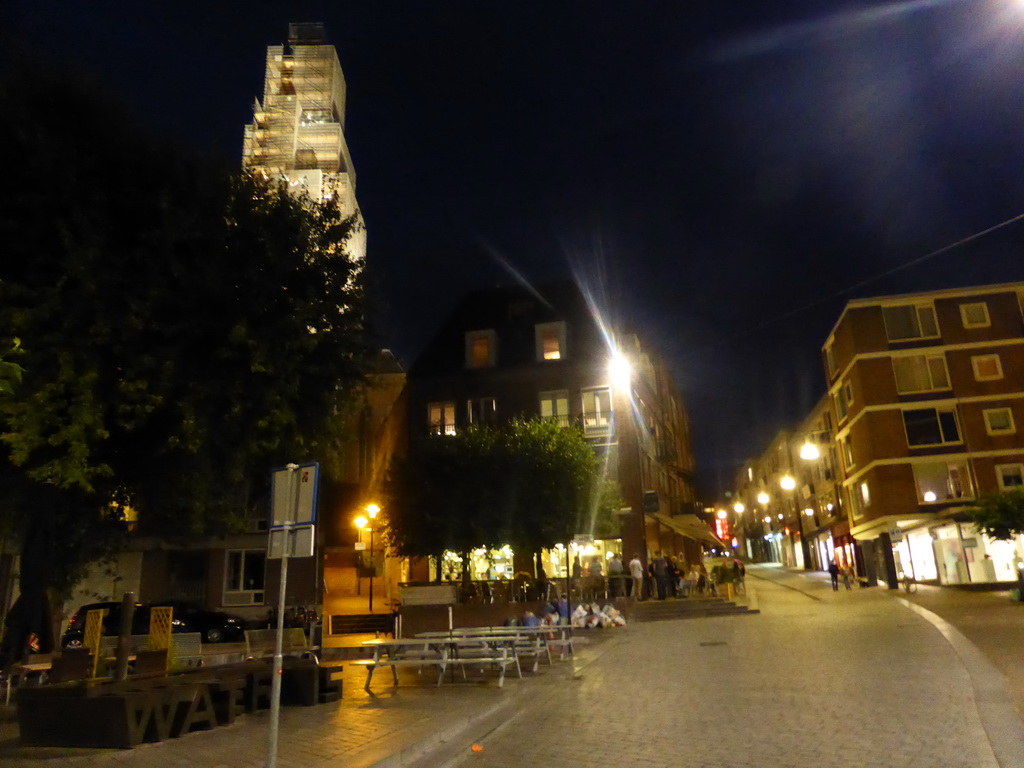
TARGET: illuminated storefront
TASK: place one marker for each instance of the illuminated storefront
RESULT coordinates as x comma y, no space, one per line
956,553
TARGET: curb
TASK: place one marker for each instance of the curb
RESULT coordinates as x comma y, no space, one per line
992,698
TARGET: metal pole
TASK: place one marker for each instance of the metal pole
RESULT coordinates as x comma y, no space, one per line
372,569
275,683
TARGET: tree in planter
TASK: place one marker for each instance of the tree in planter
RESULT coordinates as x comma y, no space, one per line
527,484
186,331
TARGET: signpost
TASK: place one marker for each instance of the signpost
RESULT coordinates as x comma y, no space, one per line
292,534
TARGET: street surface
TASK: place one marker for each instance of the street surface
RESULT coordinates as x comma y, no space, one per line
818,679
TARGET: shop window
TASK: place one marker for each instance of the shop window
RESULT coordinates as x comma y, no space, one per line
441,418
597,411
999,421
910,321
1010,476
244,572
931,426
550,340
987,367
481,410
940,481
920,373
554,406
975,315
481,347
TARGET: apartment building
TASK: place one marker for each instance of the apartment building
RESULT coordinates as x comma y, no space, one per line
517,352
927,392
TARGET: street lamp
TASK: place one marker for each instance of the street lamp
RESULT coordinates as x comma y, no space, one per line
363,524
788,484
763,499
738,508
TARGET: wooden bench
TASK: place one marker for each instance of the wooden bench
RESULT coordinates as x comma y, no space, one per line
261,643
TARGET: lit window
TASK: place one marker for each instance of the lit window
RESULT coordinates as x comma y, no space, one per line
550,338
555,406
441,418
1010,476
865,494
597,412
931,426
941,481
480,349
920,373
975,315
999,421
847,453
910,321
481,410
987,367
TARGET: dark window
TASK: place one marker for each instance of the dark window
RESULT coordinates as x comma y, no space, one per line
929,426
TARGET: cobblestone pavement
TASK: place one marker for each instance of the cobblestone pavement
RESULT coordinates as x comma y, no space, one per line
822,679
818,679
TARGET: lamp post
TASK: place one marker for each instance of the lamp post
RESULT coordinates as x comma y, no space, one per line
363,524
789,484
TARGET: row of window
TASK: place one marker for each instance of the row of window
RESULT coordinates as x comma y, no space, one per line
942,482
924,373
911,322
482,345
596,405
934,427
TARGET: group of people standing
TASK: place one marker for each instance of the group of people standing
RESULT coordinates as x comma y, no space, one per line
835,570
663,578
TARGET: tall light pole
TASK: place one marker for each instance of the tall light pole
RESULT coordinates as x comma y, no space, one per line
364,524
789,484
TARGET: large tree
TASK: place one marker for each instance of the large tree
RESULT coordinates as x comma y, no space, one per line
529,484
184,330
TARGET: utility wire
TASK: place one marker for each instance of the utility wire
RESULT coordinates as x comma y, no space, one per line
894,270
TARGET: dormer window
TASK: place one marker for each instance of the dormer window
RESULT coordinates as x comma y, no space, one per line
481,348
550,339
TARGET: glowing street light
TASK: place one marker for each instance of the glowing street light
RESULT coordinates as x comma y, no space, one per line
787,483
620,370
363,524
738,508
763,498
722,514
809,451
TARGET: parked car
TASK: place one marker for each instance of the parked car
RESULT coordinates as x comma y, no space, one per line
75,633
214,626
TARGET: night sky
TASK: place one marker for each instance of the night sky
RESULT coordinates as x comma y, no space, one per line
724,175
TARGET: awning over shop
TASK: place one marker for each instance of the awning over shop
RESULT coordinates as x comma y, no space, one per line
690,526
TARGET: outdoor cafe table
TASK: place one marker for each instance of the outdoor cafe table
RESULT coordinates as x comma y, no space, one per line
440,652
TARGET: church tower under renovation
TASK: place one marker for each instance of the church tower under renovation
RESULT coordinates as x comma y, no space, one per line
298,130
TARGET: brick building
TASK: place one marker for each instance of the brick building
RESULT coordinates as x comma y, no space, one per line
927,390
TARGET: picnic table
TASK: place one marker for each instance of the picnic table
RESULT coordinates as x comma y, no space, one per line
441,653
536,640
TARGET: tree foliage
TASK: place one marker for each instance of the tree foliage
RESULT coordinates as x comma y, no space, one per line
184,329
1000,515
529,484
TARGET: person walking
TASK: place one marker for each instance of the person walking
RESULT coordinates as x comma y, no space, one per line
741,577
636,573
833,572
848,576
672,575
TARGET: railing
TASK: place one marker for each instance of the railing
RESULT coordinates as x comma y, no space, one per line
598,424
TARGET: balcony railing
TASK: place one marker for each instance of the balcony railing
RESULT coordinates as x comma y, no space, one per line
598,424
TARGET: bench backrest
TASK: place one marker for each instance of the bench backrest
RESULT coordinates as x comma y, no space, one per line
261,642
187,648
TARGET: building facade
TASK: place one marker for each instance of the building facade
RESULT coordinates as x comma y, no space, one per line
297,133
927,394
516,352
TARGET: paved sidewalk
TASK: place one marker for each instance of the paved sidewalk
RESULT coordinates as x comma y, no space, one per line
861,678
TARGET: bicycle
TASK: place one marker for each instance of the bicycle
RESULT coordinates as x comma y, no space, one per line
909,584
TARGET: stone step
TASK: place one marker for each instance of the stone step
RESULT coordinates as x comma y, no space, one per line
659,610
